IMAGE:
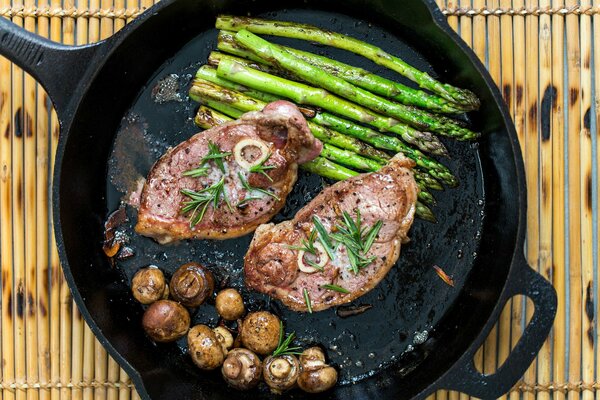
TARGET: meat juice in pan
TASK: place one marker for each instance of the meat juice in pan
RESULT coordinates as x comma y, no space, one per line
406,305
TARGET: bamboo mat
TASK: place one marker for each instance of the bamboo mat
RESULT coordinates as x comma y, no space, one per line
540,53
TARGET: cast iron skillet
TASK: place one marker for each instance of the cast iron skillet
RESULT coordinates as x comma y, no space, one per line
479,238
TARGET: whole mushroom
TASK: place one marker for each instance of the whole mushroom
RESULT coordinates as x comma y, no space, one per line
281,372
192,284
316,375
148,285
241,369
166,321
229,304
204,348
224,337
260,332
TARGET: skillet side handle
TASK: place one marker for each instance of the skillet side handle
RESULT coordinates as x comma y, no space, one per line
57,67
468,380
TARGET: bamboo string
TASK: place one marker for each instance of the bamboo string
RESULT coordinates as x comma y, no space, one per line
30,135
18,215
585,176
544,359
112,376
558,212
42,239
121,13
574,196
126,386
519,73
6,251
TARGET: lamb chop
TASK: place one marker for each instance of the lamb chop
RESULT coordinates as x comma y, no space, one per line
340,245
224,182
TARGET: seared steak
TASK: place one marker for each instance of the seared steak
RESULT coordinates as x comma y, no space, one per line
280,263
224,182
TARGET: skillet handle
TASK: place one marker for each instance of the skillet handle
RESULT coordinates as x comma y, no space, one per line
468,380
59,68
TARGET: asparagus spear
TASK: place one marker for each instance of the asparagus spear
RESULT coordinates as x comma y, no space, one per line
427,180
207,118
307,32
412,116
328,169
425,213
242,102
304,94
357,76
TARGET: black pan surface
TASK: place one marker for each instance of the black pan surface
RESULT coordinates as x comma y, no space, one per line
407,304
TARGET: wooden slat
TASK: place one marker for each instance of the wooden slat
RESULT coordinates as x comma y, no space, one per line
558,219
532,159
42,231
29,190
18,219
574,196
6,249
520,112
544,361
585,176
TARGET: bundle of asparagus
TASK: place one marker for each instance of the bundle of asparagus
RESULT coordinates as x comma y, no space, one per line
337,99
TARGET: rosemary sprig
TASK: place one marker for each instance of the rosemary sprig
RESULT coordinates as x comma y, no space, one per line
249,188
308,246
261,168
324,237
335,288
199,201
357,240
283,347
215,154
307,300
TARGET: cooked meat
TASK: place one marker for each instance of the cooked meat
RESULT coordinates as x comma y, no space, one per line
280,264
224,182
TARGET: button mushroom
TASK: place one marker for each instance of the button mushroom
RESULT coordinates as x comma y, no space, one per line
224,337
260,332
241,369
281,372
192,284
166,321
229,304
316,375
204,347
148,285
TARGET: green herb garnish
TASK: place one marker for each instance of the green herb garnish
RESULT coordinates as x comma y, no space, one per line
307,300
249,188
199,201
335,288
324,237
261,168
283,348
308,246
215,154
357,240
